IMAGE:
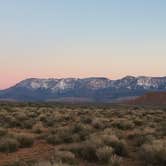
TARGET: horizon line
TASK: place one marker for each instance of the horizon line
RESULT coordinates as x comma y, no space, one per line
59,78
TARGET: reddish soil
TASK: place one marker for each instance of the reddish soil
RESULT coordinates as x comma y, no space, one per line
154,98
40,150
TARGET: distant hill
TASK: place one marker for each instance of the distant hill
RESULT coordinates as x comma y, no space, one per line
151,98
83,90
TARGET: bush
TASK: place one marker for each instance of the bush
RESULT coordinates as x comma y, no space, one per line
82,130
50,163
28,124
21,116
139,138
104,154
162,128
138,122
96,123
3,131
65,157
20,162
86,151
53,139
63,135
118,145
115,160
78,128
8,145
49,121
38,128
109,139
25,141
85,119
123,124
154,153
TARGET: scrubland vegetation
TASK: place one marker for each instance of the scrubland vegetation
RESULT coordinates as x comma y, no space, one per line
81,135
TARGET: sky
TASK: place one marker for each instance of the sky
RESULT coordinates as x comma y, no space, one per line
81,38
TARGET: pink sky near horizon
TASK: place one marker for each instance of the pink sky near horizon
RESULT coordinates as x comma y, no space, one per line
111,60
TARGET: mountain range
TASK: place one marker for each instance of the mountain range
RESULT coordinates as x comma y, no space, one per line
94,89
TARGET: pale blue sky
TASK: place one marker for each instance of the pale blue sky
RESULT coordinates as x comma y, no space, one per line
79,38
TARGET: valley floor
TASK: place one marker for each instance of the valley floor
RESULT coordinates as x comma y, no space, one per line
85,135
